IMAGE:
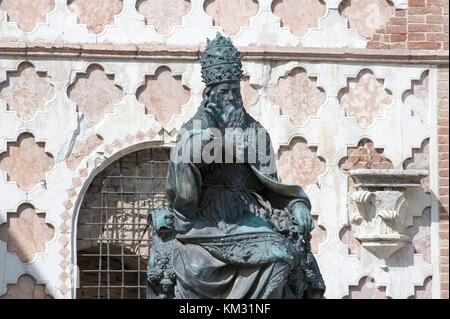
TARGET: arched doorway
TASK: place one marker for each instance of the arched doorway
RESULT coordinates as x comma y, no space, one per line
112,249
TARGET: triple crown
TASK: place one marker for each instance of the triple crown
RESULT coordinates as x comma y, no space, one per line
221,61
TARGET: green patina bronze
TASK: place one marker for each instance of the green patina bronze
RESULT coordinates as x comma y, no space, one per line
231,229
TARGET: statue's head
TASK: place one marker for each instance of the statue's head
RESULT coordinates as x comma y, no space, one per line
222,71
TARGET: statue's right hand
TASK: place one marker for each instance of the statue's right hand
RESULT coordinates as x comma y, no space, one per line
212,108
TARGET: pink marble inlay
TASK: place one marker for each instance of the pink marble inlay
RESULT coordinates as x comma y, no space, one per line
365,155
366,16
163,14
27,13
81,150
26,162
163,95
420,235
299,164
365,98
354,246
417,97
299,16
248,93
96,14
26,288
425,291
420,160
318,235
297,96
231,15
366,289
26,232
95,93
26,91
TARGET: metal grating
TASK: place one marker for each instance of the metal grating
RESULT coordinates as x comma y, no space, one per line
111,255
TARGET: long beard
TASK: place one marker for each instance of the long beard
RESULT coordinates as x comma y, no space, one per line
237,118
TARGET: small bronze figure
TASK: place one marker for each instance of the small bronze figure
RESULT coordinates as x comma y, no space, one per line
238,231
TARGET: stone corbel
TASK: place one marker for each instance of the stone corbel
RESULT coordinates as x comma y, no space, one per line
378,219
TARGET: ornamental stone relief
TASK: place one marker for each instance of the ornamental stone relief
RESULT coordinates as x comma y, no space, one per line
417,97
26,162
365,98
95,93
299,164
27,13
364,155
297,96
163,14
26,288
163,95
378,209
224,13
366,16
26,232
366,289
96,14
26,91
299,16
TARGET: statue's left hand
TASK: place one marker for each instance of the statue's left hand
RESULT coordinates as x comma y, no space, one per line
303,215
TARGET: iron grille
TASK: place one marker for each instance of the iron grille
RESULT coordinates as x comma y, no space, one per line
112,252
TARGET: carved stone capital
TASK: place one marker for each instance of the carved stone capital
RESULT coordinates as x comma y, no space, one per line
378,208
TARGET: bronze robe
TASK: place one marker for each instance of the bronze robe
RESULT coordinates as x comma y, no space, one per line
233,224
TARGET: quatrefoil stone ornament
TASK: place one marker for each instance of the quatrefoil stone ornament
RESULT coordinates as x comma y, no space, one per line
26,232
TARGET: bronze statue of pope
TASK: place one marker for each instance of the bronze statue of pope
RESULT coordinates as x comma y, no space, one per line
238,232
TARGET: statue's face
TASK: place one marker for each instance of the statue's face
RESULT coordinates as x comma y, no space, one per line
225,95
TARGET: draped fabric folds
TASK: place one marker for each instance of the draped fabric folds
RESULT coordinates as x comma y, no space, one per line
229,243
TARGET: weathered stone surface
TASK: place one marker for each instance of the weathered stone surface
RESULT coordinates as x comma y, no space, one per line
425,291
26,162
347,237
367,289
297,96
26,91
96,14
163,14
318,236
26,232
95,93
82,150
420,160
299,16
226,14
26,288
417,97
365,156
163,95
298,164
248,93
365,98
27,13
420,236
366,16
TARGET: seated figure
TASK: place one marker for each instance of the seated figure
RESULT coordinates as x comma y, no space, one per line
238,232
